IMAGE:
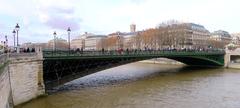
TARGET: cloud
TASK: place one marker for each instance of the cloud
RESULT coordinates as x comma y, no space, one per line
63,23
2,26
59,17
62,10
138,1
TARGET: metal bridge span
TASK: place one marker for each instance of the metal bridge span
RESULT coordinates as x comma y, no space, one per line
60,67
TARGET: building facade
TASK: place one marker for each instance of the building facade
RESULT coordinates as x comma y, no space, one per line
95,42
34,45
184,35
77,43
133,28
122,40
88,41
236,38
221,36
60,44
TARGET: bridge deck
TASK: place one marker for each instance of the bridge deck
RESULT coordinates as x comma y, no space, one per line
101,54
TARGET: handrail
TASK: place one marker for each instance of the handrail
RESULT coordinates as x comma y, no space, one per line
23,54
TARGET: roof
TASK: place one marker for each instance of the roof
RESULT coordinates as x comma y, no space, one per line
97,36
123,33
221,33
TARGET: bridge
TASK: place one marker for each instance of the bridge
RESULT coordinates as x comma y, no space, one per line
60,67
25,76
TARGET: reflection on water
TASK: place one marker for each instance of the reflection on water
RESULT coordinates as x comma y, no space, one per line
141,85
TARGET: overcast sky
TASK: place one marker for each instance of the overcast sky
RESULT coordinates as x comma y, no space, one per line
39,18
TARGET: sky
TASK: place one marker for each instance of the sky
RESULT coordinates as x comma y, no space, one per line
38,19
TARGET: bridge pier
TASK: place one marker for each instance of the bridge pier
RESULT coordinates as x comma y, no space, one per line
232,59
227,59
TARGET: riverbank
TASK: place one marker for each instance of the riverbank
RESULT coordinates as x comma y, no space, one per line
163,61
234,66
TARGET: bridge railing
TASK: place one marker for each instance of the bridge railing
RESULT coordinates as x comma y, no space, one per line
62,53
19,55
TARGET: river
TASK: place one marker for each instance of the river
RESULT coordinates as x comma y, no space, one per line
141,85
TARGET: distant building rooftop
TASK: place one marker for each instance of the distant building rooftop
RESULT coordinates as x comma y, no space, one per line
89,35
221,33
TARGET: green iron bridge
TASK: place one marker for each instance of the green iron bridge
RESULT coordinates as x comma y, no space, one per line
60,67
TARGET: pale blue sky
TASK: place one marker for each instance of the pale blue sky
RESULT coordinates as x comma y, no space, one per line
39,18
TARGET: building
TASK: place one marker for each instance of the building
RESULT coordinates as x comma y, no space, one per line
129,40
28,45
77,43
122,40
88,41
184,35
221,36
115,41
60,44
95,42
34,45
236,38
198,35
133,28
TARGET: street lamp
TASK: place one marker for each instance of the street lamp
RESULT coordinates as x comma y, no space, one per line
4,46
14,32
17,27
6,42
54,40
69,31
118,40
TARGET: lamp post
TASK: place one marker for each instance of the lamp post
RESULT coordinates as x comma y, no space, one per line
14,46
69,31
54,40
4,46
17,27
6,43
118,40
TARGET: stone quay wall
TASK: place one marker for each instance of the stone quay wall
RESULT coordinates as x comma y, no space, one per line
5,88
21,78
26,75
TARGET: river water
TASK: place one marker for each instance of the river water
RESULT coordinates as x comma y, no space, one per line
141,85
